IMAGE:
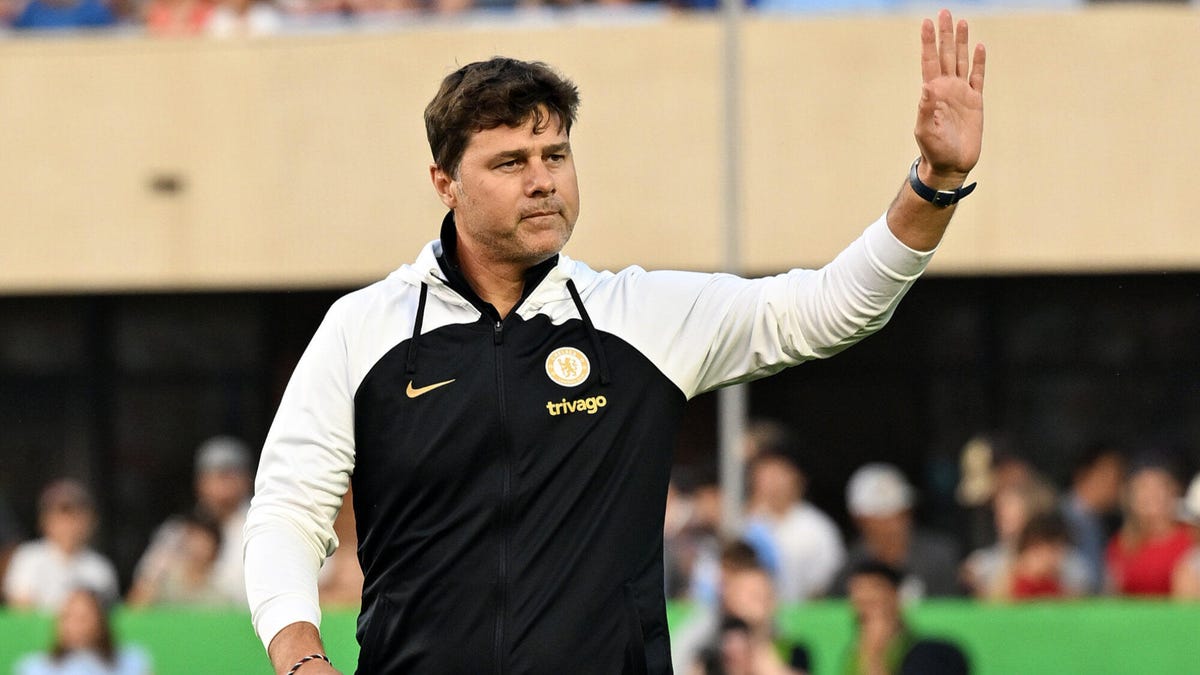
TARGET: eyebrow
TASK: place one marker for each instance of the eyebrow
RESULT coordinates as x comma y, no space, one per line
518,153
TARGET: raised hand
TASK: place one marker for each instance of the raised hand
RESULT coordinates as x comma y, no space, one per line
949,127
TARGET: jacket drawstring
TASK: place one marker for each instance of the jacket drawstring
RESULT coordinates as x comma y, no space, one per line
592,333
411,365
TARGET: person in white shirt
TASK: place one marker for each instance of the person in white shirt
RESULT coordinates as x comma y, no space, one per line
44,572
798,543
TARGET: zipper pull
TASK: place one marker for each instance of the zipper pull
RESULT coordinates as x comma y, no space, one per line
498,332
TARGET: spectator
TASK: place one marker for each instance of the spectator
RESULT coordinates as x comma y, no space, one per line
987,572
797,542
1143,556
177,18
987,464
43,573
1038,567
223,485
244,18
745,641
84,645
883,643
1095,493
64,15
1186,582
880,500
188,578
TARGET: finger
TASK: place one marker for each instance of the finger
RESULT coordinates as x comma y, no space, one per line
977,69
962,50
946,41
930,67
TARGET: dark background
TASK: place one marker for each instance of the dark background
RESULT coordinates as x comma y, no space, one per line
118,390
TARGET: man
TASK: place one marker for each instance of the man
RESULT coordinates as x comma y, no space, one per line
1095,494
880,500
883,644
508,414
44,572
223,483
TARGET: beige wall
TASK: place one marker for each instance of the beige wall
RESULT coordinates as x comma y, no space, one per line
304,162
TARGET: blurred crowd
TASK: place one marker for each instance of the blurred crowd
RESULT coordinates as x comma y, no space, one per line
252,18
193,559
1123,524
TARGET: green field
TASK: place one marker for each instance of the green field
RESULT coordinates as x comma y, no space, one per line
1088,637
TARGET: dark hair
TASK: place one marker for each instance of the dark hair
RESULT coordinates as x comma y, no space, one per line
104,640
488,94
1045,528
876,568
1091,455
739,555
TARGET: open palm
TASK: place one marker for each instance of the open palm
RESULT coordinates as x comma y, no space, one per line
949,127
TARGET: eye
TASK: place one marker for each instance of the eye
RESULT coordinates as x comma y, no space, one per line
557,157
510,164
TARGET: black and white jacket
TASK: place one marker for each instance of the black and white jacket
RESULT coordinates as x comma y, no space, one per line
510,476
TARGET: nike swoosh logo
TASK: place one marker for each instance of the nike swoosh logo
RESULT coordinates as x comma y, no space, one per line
413,393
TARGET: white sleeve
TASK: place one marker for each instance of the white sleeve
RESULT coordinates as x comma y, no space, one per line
712,330
303,474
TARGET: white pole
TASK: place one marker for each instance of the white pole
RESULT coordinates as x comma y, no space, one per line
731,401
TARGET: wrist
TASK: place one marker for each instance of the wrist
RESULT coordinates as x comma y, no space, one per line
947,190
308,659
939,180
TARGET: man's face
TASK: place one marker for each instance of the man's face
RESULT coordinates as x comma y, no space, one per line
873,598
515,198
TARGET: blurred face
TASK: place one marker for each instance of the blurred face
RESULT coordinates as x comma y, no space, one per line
1107,476
1042,560
79,622
1152,495
221,492
874,599
515,199
748,595
887,536
68,526
775,484
1011,514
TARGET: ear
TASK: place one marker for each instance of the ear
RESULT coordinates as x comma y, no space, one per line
443,184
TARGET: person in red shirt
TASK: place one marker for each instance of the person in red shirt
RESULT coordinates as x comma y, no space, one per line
1143,555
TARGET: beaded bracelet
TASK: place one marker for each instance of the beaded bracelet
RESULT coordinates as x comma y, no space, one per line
310,657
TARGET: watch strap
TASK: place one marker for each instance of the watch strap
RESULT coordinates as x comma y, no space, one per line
939,198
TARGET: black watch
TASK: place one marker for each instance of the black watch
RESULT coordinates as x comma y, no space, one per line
939,198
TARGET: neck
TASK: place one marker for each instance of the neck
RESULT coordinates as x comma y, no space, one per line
499,284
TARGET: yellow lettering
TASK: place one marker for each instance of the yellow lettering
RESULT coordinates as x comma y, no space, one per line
591,404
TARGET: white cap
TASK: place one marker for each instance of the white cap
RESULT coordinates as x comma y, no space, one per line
878,489
1189,505
222,453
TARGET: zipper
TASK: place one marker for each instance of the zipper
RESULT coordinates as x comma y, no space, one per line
502,590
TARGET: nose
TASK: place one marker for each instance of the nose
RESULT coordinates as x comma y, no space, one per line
540,180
